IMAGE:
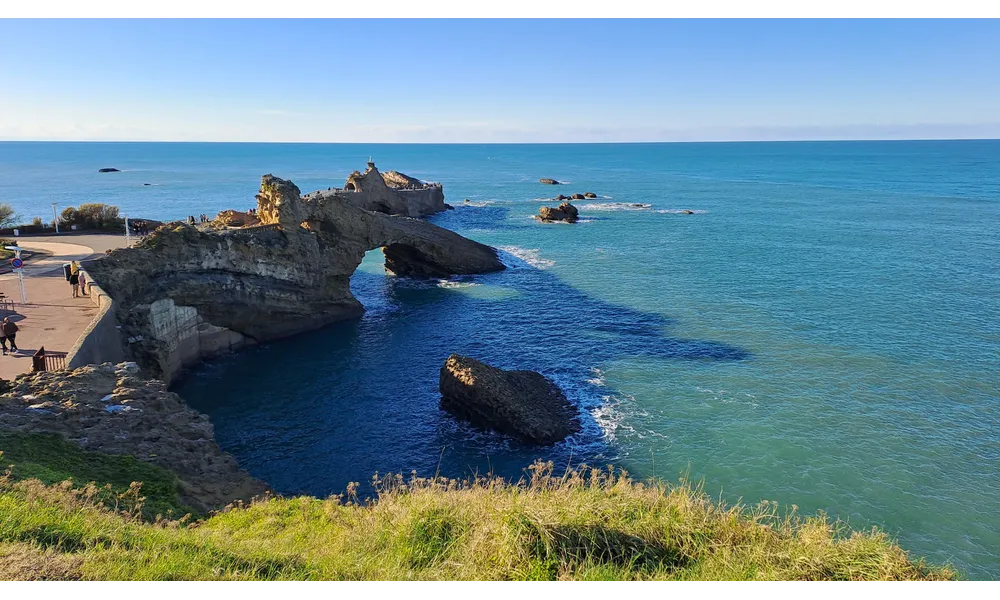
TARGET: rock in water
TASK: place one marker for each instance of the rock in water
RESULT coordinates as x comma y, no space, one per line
548,181
589,195
565,212
577,197
524,404
108,170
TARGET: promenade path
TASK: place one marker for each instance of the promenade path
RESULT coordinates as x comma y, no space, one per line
52,317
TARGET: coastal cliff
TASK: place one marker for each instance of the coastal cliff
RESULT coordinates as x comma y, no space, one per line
112,410
184,293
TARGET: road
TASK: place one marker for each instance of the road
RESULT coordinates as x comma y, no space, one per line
51,317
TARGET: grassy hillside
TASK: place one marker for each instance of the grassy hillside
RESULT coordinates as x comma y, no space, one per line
585,525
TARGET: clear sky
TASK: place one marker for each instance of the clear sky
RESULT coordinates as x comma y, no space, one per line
498,81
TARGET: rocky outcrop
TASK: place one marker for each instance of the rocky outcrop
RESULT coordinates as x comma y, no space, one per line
589,195
548,181
109,170
109,408
392,193
564,212
576,197
182,294
523,404
236,218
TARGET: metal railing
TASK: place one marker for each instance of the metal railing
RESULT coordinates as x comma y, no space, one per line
47,361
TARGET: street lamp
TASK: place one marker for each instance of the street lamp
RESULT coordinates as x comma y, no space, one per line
55,219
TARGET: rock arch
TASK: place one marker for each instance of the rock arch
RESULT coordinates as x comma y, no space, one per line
289,275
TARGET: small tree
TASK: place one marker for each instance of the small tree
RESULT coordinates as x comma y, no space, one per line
8,217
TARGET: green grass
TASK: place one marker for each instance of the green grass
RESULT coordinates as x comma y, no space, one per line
588,524
51,459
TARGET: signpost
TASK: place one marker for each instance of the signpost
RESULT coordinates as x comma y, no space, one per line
18,265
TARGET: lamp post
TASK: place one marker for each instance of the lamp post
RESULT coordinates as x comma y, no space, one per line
55,218
128,235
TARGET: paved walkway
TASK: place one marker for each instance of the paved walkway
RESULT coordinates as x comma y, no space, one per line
52,317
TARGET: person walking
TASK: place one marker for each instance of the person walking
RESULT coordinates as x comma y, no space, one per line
9,329
3,339
74,278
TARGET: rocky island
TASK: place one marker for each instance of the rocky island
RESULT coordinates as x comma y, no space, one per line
524,404
564,212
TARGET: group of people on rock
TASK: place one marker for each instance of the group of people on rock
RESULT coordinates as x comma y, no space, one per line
139,227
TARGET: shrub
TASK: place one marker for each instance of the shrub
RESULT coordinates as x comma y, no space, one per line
37,222
8,217
93,216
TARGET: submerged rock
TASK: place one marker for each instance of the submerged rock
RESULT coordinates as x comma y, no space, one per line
110,409
109,170
548,181
564,212
523,404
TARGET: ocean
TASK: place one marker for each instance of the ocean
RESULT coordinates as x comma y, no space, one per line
823,331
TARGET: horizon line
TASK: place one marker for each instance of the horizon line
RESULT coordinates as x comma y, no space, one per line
760,141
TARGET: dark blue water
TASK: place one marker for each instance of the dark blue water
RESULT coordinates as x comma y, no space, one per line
823,331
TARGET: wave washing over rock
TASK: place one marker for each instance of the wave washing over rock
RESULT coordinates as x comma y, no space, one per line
529,256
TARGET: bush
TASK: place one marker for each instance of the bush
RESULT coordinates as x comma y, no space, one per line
8,218
37,222
93,216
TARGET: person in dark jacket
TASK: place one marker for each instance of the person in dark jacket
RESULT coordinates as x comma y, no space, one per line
9,329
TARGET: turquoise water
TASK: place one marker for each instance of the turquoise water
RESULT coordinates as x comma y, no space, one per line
823,331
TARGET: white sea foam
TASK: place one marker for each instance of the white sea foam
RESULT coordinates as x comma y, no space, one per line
598,378
444,283
727,397
531,256
476,203
679,211
610,417
611,206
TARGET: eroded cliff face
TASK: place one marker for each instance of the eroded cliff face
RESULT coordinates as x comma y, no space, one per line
184,294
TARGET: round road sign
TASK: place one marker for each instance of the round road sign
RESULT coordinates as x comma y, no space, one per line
17,263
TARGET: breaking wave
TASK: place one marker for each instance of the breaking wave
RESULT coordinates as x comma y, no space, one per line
530,256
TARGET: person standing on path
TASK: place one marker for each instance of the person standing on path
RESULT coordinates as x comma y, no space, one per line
9,329
3,339
74,278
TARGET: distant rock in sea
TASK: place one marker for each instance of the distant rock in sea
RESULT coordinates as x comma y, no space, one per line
524,404
548,181
589,195
564,212
108,170
577,197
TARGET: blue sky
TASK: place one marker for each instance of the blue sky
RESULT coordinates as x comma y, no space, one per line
498,80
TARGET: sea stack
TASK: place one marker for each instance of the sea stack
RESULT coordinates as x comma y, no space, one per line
522,404
564,212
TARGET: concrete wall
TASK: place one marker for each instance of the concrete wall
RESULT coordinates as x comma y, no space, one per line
187,337
101,341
